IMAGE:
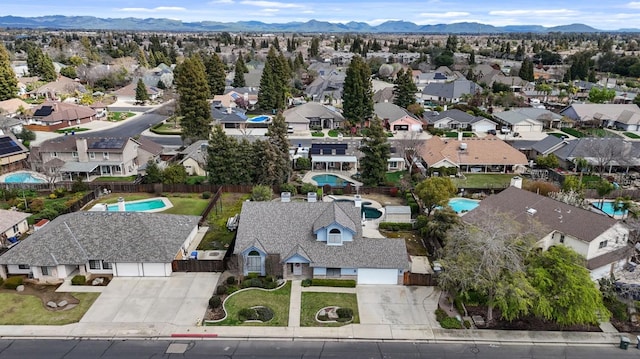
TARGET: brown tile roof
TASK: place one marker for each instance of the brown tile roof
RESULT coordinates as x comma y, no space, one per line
65,112
555,215
607,258
12,105
149,146
61,85
489,150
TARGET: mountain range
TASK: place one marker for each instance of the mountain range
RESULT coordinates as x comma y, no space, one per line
60,22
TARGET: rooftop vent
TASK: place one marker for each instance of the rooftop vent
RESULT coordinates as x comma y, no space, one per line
312,197
532,211
463,146
285,197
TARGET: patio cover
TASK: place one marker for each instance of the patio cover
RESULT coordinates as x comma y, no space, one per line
85,166
317,158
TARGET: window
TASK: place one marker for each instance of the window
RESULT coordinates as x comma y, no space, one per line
45,271
333,272
561,238
54,154
254,262
95,264
15,228
74,154
393,164
602,244
23,266
106,265
105,155
92,155
334,237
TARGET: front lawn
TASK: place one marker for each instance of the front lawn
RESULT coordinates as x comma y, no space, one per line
483,180
168,127
312,302
277,300
218,236
19,309
119,116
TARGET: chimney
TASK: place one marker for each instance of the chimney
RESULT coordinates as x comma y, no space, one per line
285,197
357,200
229,110
516,181
459,136
121,204
444,108
82,148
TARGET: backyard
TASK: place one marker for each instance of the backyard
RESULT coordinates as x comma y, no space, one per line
277,300
312,302
483,180
218,236
183,203
415,246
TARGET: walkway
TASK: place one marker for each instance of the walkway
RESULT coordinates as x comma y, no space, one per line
295,301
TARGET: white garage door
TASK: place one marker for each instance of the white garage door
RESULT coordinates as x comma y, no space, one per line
153,270
127,270
484,127
377,276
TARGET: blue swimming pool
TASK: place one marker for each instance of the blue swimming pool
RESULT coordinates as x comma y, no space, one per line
259,119
331,180
22,177
369,212
607,207
461,205
139,206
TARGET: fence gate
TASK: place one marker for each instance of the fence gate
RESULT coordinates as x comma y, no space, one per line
419,279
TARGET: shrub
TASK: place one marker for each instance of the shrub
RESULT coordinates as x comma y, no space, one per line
13,282
53,196
232,289
345,313
221,289
261,193
344,283
307,187
247,314
303,163
264,314
450,323
79,280
395,226
36,205
252,275
306,282
289,187
215,302
231,280
467,324
60,192
440,314
206,195
337,191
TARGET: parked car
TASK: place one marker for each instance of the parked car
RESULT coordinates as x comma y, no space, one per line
492,132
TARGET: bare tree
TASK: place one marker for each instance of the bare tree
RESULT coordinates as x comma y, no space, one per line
604,152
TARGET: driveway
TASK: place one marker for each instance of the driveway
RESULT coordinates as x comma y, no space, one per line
398,305
180,299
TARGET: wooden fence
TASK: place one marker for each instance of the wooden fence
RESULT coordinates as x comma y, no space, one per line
212,203
419,279
196,265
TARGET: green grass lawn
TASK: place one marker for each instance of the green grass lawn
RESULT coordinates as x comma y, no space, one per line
183,203
218,236
168,128
317,134
557,134
482,180
115,179
573,132
394,177
119,116
18,309
312,302
631,135
277,300
69,130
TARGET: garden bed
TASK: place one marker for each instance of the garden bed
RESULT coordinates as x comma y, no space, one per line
526,323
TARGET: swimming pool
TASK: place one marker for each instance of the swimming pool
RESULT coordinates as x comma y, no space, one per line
460,205
331,180
607,207
260,119
143,205
23,177
369,212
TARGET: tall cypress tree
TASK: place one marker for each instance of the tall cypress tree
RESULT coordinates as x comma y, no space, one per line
193,91
141,92
8,80
273,83
526,70
357,97
376,152
238,77
404,90
277,134
215,74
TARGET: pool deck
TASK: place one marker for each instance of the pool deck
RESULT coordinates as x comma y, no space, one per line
32,173
101,207
370,225
308,177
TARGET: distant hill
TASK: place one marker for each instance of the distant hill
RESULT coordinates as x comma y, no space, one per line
312,26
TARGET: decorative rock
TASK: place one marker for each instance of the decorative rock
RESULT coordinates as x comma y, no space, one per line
52,305
332,315
97,281
20,288
62,303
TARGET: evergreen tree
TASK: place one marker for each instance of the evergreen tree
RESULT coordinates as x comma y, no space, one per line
376,152
472,58
277,134
141,92
220,155
266,163
404,90
39,64
238,77
526,70
273,83
153,173
8,80
240,64
314,48
48,71
357,97
215,74
193,91
142,58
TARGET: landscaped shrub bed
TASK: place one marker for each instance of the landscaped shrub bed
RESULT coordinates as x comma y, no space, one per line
447,322
253,281
342,283
215,302
79,280
13,282
573,132
263,314
344,314
393,226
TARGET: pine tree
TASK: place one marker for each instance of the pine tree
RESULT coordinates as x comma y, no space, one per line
8,80
141,92
273,83
376,152
48,72
357,97
267,159
215,74
277,134
220,153
238,77
404,90
526,70
193,90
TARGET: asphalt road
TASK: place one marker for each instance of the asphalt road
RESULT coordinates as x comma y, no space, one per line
230,349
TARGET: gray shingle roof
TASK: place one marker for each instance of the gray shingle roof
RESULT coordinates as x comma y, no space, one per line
10,218
451,90
390,111
287,228
116,237
547,144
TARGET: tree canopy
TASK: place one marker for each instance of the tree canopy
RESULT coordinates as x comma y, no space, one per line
357,96
141,92
435,192
404,90
215,74
193,91
274,83
8,80
376,152
601,95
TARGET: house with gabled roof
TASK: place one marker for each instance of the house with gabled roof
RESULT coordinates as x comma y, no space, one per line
612,153
312,115
450,92
601,240
455,119
13,153
51,116
122,244
194,158
128,92
12,225
528,119
54,90
315,240
624,117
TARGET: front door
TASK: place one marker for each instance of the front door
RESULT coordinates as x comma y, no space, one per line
297,269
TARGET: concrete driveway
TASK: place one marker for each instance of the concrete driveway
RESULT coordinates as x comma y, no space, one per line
398,305
180,299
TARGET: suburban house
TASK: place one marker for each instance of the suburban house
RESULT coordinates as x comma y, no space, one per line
528,119
475,155
161,73
396,118
327,87
54,90
315,240
228,117
122,244
243,97
51,116
384,94
611,153
13,154
450,92
92,157
13,107
10,124
333,156
312,115
128,93
601,240
624,117
547,146
194,158
459,120
12,225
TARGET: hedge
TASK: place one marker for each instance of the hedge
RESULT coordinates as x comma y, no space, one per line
394,226
573,132
343,283
79,280
13,282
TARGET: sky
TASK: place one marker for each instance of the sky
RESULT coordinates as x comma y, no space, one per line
601,14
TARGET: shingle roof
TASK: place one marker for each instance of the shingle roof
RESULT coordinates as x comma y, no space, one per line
547,144
10,218
114,237
555,215
454,114
311,110
335,214
61,111
450,90
588,111
283,228
390,111
488,150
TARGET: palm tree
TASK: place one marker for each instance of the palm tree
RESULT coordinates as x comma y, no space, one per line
604,187
581,165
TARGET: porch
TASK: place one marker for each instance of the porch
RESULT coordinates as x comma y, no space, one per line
348,164
91,170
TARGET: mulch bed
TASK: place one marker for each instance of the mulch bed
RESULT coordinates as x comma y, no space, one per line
527,323
46,293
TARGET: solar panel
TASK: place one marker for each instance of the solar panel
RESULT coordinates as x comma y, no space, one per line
315,151
8,145
108,144
43,111
341,151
